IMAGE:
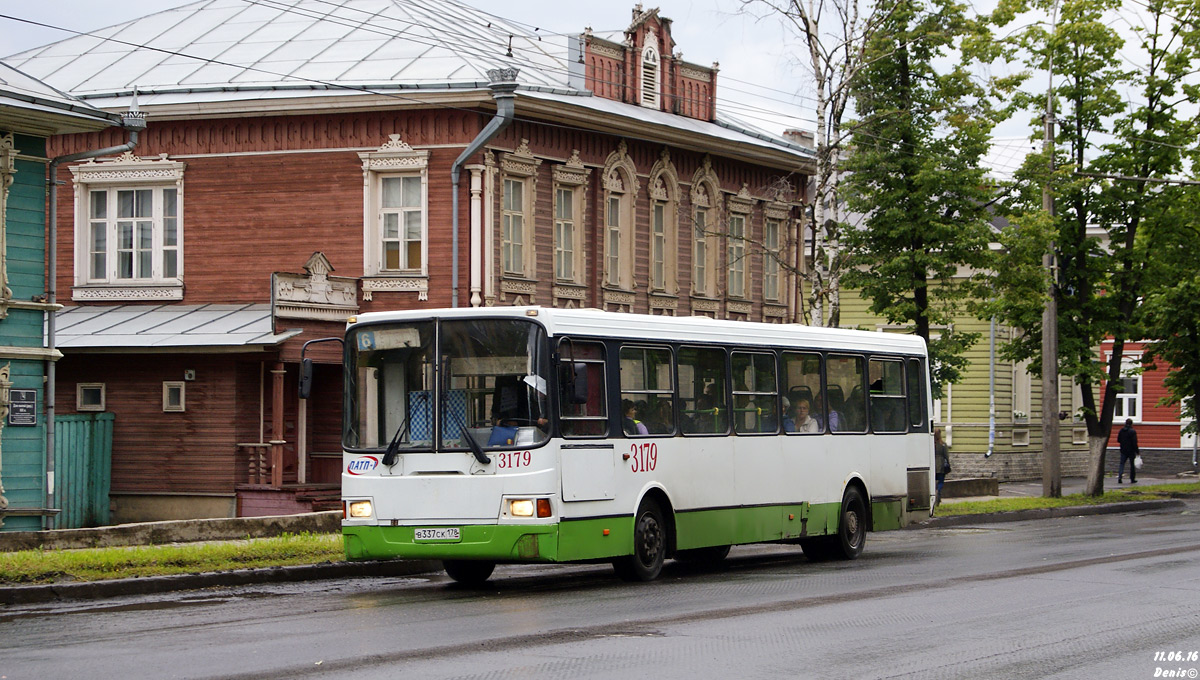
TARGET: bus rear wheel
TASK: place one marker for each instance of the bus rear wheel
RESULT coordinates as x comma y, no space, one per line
852,529
469,572
649,545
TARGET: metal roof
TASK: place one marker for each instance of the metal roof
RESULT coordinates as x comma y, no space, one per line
159,327
29,105
238,50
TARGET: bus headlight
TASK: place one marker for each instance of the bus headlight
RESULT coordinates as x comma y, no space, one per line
360,509
521,507
529,507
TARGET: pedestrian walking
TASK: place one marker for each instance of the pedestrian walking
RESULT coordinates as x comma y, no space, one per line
941,463
1127,439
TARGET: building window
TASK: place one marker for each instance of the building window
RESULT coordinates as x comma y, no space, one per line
771,257
650,73
129,244
737,256
89,397
395,213
1129,399
513,227
564,234
570,190
133,235
700,252
173,399
402,223
658,246
620,194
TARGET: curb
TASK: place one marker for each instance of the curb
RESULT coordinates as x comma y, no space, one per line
1049,513
55,592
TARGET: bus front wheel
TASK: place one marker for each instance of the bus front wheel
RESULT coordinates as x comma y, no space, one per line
469,572
649,545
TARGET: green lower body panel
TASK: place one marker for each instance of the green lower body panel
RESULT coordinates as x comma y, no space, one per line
607,537
887,514
501,543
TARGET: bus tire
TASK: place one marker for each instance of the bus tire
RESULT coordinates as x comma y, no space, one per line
852,527
709,555
649,545
816,549
469,572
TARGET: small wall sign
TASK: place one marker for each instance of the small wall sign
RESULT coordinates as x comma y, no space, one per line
22,407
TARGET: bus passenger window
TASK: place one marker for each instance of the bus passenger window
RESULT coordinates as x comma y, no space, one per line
803,409
916,400
844,385
755,393
647,391
581,389
702,403
887,396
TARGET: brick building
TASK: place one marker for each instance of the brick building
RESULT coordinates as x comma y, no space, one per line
303,164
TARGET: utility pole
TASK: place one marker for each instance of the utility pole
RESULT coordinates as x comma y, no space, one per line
1051,459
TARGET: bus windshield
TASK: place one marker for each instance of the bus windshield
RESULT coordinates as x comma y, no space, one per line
479,378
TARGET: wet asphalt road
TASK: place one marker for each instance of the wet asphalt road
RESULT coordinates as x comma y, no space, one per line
1114,596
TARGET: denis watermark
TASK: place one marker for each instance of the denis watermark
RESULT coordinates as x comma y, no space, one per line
1177,669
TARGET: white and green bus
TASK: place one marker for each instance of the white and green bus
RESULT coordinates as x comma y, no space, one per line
526,434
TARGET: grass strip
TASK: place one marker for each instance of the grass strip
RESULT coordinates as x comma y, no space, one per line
1157,492
25,567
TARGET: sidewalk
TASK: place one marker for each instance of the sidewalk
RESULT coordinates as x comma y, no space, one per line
1070,485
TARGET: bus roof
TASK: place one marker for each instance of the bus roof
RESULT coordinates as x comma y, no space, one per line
698,329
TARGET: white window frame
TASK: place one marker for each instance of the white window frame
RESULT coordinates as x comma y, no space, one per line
112,179
621,189
571,177
79,390
169,385
1130,362
736,256
772,253
393,159
566,235
514,225
651,72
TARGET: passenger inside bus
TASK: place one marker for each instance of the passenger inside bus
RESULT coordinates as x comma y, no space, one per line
629,422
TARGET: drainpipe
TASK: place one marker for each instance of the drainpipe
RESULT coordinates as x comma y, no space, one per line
133,121
992,392
503,84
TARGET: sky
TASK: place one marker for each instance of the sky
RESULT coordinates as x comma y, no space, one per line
757,61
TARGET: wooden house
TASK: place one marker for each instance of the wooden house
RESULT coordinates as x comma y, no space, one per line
303,163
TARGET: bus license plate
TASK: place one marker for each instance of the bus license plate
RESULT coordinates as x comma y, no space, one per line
440,534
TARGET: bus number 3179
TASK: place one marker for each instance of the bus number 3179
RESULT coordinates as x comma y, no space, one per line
645,457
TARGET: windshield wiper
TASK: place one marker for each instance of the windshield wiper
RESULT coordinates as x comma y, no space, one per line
393,449
465,434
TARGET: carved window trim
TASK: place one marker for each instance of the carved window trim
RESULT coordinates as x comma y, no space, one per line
395,159
707,201
519,168
651,72
573,177
8,168
621,188
111,178
665,194
739,234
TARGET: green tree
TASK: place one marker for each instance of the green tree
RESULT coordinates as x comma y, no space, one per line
915,176
1108,196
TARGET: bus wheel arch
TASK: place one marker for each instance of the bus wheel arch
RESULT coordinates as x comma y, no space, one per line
653,538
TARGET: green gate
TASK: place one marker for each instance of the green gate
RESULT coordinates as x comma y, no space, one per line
82,469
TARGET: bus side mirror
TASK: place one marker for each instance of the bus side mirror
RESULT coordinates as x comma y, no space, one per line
574,381
306,377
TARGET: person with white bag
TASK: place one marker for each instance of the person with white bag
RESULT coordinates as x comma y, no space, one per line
1127,439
